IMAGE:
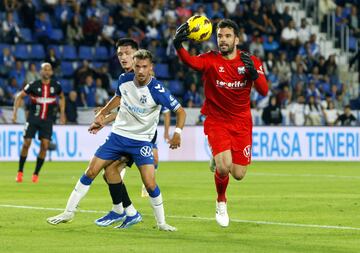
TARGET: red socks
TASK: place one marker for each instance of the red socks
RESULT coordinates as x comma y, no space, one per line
221,185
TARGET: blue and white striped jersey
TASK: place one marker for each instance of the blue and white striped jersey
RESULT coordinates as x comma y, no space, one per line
140,107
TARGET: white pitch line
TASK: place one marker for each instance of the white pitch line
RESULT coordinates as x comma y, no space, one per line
201,218
302,175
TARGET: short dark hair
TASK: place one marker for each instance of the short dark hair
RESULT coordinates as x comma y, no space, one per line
229,24
143,54
127,42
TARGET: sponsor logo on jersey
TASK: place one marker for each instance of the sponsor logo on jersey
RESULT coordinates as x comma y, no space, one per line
143,99
135,109
241,70
231,85
146,151
125,92
221,69
171,98
247,151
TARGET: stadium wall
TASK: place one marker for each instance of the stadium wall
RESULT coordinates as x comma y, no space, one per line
74,143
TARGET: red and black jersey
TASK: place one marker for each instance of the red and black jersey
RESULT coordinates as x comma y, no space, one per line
226,83
43,99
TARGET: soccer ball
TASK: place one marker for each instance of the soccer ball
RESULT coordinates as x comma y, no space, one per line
200,28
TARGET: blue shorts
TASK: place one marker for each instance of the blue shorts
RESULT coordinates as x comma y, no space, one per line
117,146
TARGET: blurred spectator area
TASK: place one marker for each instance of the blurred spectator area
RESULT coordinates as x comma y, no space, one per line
308,48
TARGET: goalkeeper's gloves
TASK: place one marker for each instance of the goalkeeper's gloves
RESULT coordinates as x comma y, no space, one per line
249,65
181,35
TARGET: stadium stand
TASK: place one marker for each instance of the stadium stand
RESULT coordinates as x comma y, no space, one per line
306,46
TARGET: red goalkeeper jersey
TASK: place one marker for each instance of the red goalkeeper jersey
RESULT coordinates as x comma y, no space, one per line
227,84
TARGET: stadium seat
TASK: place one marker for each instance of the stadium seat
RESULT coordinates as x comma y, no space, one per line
57,35
21,52
69,52
101,53
161,53
97,64
162,71
66,85
26,34
37,52
67,69
4,45
114,84
176,88
85,53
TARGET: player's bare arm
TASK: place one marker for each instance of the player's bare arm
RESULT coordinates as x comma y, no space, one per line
96,127
167,119
62,108
180,122
112,104
20,96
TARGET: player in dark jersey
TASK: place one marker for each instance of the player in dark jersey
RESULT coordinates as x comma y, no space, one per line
42,115
228,76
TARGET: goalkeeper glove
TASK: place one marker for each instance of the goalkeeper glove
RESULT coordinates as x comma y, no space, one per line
181,35
249,65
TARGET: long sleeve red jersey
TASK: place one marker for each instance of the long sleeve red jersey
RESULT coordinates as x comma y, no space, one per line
226,83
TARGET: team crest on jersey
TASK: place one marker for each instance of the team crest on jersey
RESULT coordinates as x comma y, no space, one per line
52,90
247,151
143,99
146,151
39,89
241,70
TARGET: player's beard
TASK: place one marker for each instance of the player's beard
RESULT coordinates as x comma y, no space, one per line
229,50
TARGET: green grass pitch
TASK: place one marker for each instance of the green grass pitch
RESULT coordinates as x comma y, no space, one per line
278,207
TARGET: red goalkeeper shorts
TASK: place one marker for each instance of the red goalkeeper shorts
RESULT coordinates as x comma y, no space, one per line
234,136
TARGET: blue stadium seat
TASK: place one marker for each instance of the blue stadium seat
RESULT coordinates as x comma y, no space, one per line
37,52
114,84
85,53
4,45
69,52
57,35
176,88
67,69
57,50
101,53
3,83
66,85
21,52
162,71
161,53
97,64
26,34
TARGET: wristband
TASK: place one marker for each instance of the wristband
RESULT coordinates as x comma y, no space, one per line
178,130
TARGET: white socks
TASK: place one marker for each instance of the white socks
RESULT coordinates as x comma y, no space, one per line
122,173
158,207
118,208
77,194
130,210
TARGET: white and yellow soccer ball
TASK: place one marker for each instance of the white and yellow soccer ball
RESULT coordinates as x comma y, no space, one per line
200,28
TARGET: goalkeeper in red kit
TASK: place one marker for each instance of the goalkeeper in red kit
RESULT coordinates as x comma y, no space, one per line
228,76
